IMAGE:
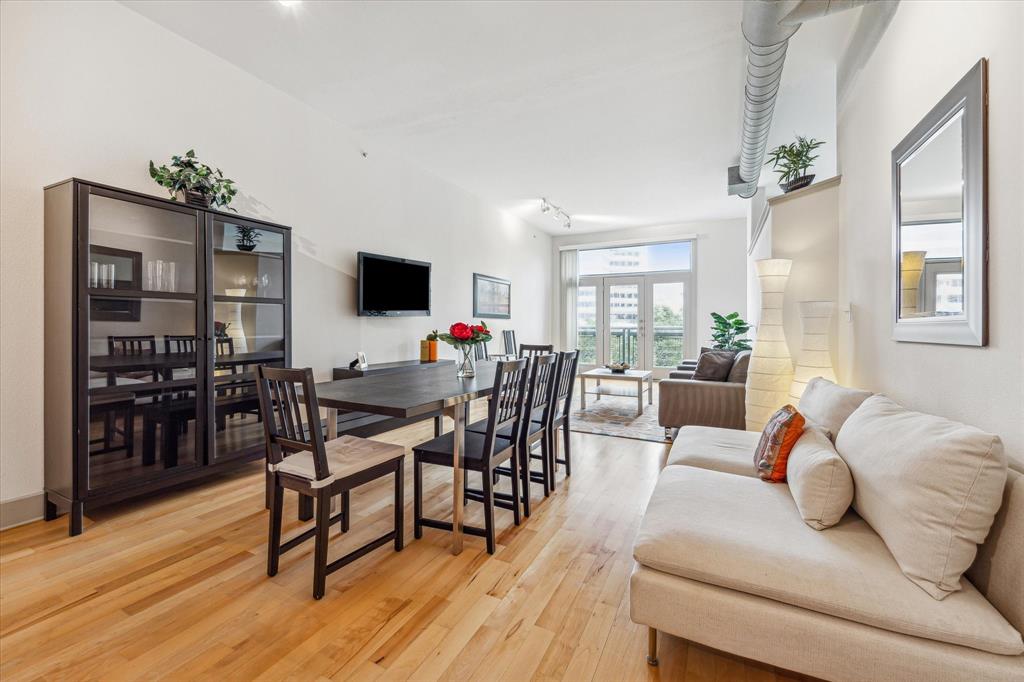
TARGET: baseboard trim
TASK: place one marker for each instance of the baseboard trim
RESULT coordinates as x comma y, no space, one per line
21,510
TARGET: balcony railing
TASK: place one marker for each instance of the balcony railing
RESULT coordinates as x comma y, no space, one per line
668,345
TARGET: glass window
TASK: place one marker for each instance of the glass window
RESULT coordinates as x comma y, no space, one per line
669,313
586,324
640,258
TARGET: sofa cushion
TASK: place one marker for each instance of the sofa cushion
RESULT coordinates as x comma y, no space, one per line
707,447
830,405
929,486
738,373
819,479
736,532
714,365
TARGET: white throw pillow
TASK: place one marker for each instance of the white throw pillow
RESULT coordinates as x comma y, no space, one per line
930,487
819,479
829,405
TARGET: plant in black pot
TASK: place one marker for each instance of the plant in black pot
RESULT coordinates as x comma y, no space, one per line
791,161
726,331
246,238
190,180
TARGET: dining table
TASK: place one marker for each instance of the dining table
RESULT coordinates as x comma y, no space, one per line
413,394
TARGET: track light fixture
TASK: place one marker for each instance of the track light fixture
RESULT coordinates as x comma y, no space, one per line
556,212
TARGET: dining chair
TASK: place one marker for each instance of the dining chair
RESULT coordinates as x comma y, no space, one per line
540,387
532,350
482,452
298,459
561,410
480,351
509,337
132,345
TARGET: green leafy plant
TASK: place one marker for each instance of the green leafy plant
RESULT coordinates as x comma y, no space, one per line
792,160
246,238
726,330
186,174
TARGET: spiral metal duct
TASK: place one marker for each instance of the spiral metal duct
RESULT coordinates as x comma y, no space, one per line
767,27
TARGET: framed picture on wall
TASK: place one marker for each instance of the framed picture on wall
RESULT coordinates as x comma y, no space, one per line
492,297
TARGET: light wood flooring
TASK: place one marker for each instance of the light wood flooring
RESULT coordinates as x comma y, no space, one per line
176,588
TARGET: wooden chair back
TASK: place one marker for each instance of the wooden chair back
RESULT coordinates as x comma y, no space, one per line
561,396
131,345
532,350
179,344
480,351
282,416
543,371
225,345
505,408
509,337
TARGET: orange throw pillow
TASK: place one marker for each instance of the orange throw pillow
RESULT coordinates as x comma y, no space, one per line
778,438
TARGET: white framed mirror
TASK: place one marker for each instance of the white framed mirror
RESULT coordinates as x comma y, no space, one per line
939,222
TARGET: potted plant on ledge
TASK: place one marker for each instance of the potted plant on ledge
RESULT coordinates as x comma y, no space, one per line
188,179
791,161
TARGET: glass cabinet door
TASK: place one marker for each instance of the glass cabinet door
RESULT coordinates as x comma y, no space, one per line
248,327
143,350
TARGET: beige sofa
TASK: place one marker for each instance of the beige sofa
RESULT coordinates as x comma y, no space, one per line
725,559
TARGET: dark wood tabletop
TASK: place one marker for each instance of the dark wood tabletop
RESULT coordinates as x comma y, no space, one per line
407,394
164,361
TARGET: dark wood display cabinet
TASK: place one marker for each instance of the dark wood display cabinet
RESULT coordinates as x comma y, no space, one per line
157,314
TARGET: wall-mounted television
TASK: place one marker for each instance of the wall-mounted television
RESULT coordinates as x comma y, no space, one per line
393,287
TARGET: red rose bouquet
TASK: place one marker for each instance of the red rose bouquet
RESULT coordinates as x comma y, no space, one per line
463,337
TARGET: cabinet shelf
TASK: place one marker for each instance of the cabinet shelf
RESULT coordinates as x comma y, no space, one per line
140,293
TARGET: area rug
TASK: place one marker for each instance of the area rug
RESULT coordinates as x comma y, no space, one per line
616,416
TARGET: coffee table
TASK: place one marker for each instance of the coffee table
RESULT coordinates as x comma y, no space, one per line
635,376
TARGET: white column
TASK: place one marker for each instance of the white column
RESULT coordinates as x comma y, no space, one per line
815,356
771,369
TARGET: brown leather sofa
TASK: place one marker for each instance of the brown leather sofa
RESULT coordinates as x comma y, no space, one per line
683,401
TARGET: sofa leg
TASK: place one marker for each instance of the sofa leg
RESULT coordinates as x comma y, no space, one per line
652,647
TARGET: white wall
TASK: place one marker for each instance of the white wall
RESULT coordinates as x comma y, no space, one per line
927,48
721,264
94,90
805,229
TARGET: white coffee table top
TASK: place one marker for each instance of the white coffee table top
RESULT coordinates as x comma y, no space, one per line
605,373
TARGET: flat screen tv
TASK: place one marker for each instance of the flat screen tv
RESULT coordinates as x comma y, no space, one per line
393,287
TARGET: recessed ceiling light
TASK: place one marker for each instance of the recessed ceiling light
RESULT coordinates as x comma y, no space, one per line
289,3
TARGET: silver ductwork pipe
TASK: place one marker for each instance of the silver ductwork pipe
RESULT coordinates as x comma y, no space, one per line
767,27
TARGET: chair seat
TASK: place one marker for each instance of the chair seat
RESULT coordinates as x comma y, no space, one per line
506,433
346,456
439,450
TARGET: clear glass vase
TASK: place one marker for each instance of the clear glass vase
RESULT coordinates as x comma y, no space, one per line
465,364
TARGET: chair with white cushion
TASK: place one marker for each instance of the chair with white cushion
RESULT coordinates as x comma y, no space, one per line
298,459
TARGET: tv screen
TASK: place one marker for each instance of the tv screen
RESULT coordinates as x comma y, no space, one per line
393,286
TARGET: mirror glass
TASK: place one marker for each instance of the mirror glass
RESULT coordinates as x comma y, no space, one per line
931,235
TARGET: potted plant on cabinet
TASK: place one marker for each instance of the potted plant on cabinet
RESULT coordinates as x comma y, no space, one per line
188,179
791,161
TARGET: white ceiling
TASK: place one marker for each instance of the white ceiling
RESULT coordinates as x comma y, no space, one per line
623,113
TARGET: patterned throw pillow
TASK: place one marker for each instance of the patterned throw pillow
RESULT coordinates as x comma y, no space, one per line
777,440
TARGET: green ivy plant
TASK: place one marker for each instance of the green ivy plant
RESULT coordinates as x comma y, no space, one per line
791,161
726,330
188,174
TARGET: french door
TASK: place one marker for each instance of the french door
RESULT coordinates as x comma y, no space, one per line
642,320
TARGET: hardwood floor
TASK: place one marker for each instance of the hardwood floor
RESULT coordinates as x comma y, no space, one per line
176,588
